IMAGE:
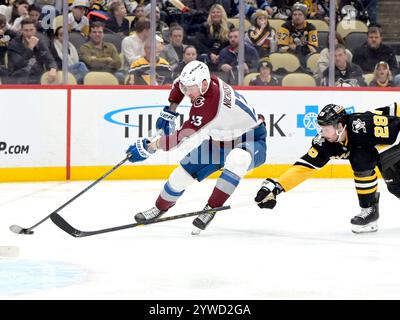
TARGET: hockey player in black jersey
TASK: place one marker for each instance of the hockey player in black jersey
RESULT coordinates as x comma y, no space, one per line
368,140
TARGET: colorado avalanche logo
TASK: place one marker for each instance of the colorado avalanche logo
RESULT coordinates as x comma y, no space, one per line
199,102
359,125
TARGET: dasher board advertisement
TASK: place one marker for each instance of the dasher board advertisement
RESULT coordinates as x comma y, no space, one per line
33,128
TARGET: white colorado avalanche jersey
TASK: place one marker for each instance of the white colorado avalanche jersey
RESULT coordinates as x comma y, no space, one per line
221,113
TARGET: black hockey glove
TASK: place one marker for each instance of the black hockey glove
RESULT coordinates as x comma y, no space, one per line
266,196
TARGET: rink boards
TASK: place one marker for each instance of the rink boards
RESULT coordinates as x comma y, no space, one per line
59,133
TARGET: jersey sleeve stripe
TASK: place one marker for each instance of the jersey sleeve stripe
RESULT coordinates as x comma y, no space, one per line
305,164
245,108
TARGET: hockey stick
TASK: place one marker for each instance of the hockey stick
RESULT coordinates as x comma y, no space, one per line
19,230
64,225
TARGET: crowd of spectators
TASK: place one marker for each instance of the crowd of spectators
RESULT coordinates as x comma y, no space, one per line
114,36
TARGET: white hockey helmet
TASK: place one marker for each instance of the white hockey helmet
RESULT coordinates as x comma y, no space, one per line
193,74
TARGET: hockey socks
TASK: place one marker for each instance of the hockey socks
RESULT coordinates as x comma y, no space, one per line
226,185
168,197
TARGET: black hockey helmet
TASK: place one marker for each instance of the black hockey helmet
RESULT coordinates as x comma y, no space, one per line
331,114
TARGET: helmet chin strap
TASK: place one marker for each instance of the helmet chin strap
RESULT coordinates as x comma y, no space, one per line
201,91
339,134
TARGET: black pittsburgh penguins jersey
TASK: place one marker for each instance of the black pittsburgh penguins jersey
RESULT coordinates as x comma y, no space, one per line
307,36
322,151
364,130
139,73
369,129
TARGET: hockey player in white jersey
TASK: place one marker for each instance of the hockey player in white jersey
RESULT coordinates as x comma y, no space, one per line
235,141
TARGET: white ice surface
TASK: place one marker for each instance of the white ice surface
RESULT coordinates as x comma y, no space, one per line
303,249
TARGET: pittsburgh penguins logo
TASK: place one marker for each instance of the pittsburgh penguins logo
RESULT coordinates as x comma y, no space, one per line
358,125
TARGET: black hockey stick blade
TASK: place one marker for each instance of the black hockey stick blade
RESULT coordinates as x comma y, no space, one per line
64,225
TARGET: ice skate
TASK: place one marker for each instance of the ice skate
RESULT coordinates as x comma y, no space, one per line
148,215
367,219
202,221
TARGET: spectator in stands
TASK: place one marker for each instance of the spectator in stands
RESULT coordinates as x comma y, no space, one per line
374,51
12,11
132,47
323,61
77,20
298,36
347,74
99,55
32,12
35,13
382,75
19,12
76,67
317,9
139,73
6,35
265,78
43,32
131,6
28,58
139,15
282,9
117,23
228,58
173,52
261,35
162,28
232,7
189,54
213,36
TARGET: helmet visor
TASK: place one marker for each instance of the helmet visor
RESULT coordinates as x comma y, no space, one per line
189,90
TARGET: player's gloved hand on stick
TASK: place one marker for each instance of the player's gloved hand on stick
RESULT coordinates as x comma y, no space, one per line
266,196
140,150
166,121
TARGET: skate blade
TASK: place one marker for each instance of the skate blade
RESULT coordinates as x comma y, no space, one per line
368,228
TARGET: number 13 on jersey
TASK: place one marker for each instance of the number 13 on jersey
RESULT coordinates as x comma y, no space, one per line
196,120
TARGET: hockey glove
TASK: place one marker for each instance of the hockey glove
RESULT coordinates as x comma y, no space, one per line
166,121
266,196
139,151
